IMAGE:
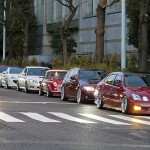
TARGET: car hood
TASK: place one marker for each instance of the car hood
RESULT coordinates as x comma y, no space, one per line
143,91
37,78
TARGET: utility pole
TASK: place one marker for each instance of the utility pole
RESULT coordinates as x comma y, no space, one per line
123,36
4,30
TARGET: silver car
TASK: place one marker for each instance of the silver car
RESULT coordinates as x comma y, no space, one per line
10,76
30,78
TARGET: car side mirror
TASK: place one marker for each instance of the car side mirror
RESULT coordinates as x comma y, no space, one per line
73,78
4,72
23,73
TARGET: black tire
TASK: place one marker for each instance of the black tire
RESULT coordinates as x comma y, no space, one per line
41,93
48,93
7,87
18,87
63,97
124,105
79,96
99,103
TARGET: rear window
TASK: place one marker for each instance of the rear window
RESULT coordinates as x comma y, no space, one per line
58,75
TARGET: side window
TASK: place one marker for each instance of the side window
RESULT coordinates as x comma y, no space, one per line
71,73
110,79
47,75
118,80
25,71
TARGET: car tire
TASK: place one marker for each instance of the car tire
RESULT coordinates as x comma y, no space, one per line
79,96
26,88
124,105
7,87
48,93
18,88
63,97
99,103
41,93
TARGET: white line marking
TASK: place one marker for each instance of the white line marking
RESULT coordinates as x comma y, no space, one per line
104,119
7,118
145,117
38,117
71,118
131,119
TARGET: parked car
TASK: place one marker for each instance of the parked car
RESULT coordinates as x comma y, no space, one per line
30,78
79,84
128,92
51,83
10,77
2,69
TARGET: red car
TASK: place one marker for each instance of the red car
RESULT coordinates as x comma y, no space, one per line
128,92
79,85
51,83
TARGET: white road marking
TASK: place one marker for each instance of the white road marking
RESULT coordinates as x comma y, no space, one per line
131,119
7,118
104,119
145,117
38,117
71,118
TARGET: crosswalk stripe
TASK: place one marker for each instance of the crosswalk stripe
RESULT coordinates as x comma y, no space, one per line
38,117
131,119
145,117
71,118
104,119
7,118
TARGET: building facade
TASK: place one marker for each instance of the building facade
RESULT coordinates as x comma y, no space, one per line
51,13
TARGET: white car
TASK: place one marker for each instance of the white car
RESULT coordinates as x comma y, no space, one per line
30,78
10,76
2,69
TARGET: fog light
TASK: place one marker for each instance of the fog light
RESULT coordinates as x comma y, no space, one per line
137,108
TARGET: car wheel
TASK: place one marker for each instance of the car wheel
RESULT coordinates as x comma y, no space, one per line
1,84
79,96
124,105
18,88
48,93
41,93
99,101
63,97
26,88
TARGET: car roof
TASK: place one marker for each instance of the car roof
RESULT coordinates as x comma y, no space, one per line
53,70
132,73
36,67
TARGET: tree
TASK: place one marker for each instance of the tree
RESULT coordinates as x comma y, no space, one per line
26,12
100,29
66,24
56,43
138,33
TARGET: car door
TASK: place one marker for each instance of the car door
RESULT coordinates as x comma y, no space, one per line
106,89
116,92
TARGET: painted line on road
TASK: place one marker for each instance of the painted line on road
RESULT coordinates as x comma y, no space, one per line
38,117
7,118
145,117
70,118
18,102
104,119
131,119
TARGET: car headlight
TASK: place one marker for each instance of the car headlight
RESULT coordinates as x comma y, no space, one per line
96,92
145,98
34,81
88,88
136,97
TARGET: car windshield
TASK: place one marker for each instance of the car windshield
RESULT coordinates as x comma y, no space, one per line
15,70
137,80
3,68
36,71
58,75
88,75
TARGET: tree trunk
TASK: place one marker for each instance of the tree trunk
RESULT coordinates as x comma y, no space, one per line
25,49
100,30
64,42
143,35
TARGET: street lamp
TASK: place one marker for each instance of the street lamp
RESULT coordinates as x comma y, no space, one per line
4,31
123,35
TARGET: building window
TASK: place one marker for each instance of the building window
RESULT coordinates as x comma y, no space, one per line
114,8
87,8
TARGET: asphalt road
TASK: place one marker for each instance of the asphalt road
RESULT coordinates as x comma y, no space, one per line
33,122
